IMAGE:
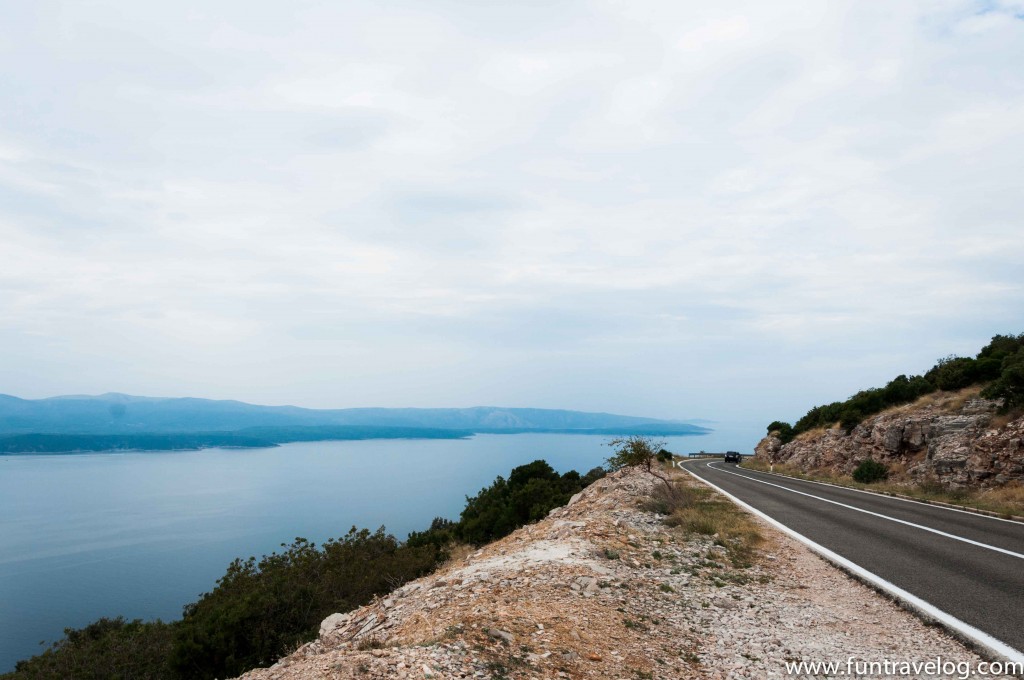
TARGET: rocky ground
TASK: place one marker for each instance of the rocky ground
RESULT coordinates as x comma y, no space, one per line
955,438
605,589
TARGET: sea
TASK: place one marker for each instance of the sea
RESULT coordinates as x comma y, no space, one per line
141,534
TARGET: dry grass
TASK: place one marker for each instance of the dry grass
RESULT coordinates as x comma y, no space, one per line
898,469
1003,419
457,554
665,500
699,510
816,432
781,468
1006,500
370,642
1011,496
945,401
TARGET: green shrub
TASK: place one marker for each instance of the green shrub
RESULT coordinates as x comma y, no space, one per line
1000,363
1010,385
784,431
107,648
819,416
953,373
1001,347
870,471
592,476
850,418
262,610
441,534
529,494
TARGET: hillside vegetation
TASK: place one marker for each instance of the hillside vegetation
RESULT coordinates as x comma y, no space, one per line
263,609
999,366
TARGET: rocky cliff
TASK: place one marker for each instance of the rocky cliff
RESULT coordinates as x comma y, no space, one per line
956,439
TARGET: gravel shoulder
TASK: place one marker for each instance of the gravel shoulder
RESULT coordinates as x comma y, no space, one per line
605,589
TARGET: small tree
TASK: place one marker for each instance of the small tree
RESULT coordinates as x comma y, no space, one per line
784,431
638,451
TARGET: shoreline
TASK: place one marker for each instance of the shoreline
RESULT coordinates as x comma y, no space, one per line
446,435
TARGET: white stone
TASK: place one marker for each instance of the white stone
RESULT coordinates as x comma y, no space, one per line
332,623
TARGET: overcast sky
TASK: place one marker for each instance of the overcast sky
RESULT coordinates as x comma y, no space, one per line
722,210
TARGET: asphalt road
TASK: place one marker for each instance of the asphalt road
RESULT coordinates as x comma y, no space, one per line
968,565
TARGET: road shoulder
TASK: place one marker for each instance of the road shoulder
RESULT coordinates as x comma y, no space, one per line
604,588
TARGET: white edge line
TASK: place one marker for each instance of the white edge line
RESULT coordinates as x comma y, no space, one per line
929,610
876,494
922,527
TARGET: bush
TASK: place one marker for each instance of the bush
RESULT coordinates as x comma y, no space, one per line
850,418
529,494
592,476
441,534
953,373
262,610
819,416
1010,385
107,648
870,471
784,431
1001,347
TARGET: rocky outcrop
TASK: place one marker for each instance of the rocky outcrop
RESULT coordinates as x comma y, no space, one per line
954,439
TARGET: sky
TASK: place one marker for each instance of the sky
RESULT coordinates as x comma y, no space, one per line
731,211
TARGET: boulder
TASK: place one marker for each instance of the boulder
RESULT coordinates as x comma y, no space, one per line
332,623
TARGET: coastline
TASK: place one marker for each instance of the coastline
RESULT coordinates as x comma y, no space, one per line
51,444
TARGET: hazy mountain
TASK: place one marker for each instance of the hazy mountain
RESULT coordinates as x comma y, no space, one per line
121,414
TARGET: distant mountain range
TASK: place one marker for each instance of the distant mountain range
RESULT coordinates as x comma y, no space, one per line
120,421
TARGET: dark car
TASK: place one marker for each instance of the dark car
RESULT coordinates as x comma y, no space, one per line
733,457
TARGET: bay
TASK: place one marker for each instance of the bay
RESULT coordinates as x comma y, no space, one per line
140,534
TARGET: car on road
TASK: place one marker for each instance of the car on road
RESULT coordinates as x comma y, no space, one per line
733,457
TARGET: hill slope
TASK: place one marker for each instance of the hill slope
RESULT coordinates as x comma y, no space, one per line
954,438
120,421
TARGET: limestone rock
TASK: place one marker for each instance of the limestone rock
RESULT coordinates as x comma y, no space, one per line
945,438
333,622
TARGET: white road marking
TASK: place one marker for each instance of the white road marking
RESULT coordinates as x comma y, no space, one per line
882,495
878,514
997,647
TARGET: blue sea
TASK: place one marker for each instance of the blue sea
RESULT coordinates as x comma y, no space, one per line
141,534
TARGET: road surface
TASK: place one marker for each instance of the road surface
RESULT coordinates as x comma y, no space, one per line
968,565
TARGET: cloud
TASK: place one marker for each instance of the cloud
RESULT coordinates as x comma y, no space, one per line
539,203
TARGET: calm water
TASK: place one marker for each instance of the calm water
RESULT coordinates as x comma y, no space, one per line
141,534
